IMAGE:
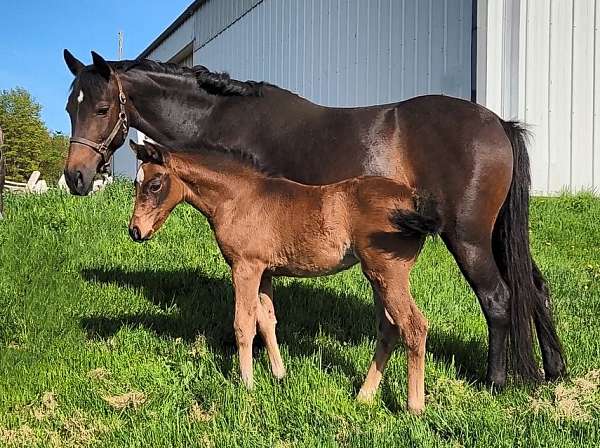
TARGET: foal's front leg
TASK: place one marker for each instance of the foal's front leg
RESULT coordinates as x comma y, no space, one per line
246,281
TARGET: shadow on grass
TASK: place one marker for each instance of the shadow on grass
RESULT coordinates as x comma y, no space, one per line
205,306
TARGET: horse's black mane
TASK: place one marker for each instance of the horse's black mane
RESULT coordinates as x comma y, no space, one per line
213,82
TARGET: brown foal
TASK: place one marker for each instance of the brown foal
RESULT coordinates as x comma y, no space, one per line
268,226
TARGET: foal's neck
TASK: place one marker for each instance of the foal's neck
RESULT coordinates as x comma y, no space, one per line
214,179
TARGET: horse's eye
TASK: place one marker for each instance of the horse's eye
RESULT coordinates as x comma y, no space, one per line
102,111
154,186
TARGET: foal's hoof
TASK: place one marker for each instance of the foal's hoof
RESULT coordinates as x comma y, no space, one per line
248,383
366,397
278,372
416,410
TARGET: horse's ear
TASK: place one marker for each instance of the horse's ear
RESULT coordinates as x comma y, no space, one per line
148,152
101,65
74,64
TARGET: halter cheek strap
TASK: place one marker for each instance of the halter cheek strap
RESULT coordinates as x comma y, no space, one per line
103,148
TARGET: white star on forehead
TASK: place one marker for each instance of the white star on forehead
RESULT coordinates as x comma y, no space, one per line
80,97
140,176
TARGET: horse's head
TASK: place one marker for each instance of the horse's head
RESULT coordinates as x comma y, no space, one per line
157,191
99,125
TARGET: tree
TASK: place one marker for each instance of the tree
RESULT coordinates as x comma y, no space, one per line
26,138
52,160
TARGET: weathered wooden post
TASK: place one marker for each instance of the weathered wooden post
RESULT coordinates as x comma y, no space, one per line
2,173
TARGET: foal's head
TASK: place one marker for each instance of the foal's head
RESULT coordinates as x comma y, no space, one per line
157,191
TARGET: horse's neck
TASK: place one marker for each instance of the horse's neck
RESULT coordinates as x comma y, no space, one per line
168,109
176,111
214,180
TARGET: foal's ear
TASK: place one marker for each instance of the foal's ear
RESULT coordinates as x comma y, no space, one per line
148,152
101,65
74,64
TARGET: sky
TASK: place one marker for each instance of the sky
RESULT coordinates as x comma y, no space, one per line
33,34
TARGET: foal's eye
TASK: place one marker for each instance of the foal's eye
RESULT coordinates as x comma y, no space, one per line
154,186
102,111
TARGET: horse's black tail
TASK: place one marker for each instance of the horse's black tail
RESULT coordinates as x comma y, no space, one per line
423,220
529,294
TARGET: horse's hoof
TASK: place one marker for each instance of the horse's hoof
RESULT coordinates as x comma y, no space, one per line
496,382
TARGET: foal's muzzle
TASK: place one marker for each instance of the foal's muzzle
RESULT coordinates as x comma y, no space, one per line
136,235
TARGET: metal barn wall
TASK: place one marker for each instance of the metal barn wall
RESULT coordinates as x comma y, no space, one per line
560,91
543,67
346,52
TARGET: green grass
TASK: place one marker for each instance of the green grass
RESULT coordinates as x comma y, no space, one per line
86,316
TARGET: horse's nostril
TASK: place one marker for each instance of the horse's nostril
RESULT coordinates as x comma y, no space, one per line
79,180
134,233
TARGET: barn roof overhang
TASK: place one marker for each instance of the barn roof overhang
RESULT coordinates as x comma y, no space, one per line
189,12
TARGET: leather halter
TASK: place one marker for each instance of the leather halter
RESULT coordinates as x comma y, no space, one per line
103,147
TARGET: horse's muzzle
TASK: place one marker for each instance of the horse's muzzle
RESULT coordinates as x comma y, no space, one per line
76,183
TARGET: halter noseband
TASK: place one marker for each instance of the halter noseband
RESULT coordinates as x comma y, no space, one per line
103,147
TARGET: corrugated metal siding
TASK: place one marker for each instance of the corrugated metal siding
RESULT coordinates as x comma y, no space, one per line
216,15
542,67
176,42
560,96
345,52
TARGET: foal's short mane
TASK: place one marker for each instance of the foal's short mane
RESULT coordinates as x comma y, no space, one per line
216,154
213,82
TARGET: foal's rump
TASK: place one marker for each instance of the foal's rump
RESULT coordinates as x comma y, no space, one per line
397,208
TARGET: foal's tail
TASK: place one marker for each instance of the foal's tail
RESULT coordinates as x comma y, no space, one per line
528,291
423,220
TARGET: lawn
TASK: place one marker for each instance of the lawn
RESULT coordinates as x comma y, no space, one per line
104,342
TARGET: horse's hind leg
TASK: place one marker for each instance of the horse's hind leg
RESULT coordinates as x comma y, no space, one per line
266,326
390,279
476,261
387,339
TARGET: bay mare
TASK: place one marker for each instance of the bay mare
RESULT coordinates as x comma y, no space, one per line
472,163
268,227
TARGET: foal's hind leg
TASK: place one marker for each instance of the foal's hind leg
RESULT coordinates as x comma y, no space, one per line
266,326
246,281
476,261
387,339
390,279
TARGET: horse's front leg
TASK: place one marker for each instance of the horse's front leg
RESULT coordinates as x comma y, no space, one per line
246,281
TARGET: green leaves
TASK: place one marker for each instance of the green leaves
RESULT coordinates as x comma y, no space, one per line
28,144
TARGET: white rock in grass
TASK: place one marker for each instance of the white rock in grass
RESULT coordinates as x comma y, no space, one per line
33,179
62,183
40,187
